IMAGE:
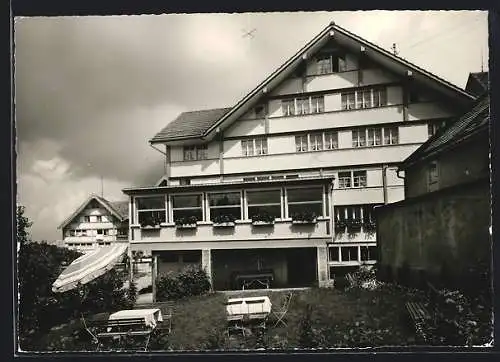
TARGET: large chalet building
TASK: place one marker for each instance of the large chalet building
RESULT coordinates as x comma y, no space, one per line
286,180
97,222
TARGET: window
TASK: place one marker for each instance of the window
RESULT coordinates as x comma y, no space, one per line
301,143
318,104
260,111
261,146
100,232
368,253
247,147
197,152
391,136
248,179
222,204
324,65
349,253
433,128
359,179
359,137
184,206
98,218
303,106
288,107
365,98
344,180
264,202
191,256
379,97
334,254
316,141
331,140
184,181
352,179
251,147
368,213
331,63
305,199
151,210
348,100
122,232
374,136
86,218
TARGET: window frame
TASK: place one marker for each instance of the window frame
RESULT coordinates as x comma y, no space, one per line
388,134
333,142
288,107
208,214
287,203
258,146
196,152
137,211
172,209
247,205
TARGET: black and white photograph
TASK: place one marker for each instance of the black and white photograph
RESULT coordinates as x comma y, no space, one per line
254,181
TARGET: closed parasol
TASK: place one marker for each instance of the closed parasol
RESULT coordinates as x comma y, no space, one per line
89,267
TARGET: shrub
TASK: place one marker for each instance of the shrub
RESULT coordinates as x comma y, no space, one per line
305,216
189,282
190,220
264,217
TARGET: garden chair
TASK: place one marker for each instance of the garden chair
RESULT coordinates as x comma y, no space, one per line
282,310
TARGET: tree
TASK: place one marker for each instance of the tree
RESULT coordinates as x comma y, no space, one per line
23,225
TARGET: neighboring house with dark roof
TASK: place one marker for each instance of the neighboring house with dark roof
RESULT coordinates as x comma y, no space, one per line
477,83
96,222
440,232
283,184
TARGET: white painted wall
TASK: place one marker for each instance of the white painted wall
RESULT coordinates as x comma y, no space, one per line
413,133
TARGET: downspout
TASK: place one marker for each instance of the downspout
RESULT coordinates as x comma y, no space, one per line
384,183
166,165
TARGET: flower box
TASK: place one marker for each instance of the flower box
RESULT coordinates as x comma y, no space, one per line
224,224
262,223
305,222
186,226
151,227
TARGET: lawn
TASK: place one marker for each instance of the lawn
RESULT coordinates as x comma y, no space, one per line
356,318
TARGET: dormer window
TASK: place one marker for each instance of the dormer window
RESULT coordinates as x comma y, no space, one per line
331,63
195,152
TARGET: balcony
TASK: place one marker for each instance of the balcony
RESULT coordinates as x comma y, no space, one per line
242,230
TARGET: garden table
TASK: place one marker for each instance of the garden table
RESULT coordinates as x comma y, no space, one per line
259,278
248,310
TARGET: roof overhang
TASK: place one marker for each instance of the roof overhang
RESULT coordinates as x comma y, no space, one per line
226,185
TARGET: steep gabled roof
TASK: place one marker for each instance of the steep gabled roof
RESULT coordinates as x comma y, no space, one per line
470,124
116,208
200,124
477,83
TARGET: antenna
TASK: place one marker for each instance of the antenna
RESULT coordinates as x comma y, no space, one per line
102,187
394,49
482,61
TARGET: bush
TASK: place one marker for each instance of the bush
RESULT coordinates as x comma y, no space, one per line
189,282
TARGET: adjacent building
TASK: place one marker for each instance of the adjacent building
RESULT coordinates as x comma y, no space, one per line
285,182
441,231
97,222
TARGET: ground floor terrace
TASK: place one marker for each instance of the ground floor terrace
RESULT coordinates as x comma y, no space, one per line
265,267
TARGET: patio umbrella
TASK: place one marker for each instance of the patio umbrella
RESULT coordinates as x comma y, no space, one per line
89,267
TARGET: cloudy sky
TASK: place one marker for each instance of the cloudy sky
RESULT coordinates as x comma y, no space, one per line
90,91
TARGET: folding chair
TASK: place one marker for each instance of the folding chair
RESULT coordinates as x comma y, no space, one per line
282,310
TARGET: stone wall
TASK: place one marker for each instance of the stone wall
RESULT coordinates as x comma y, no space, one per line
442,237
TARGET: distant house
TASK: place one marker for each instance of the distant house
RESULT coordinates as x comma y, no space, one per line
477,84
440,232
97,222
285,181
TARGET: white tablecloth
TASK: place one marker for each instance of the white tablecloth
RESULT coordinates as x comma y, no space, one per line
151,316
248,305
